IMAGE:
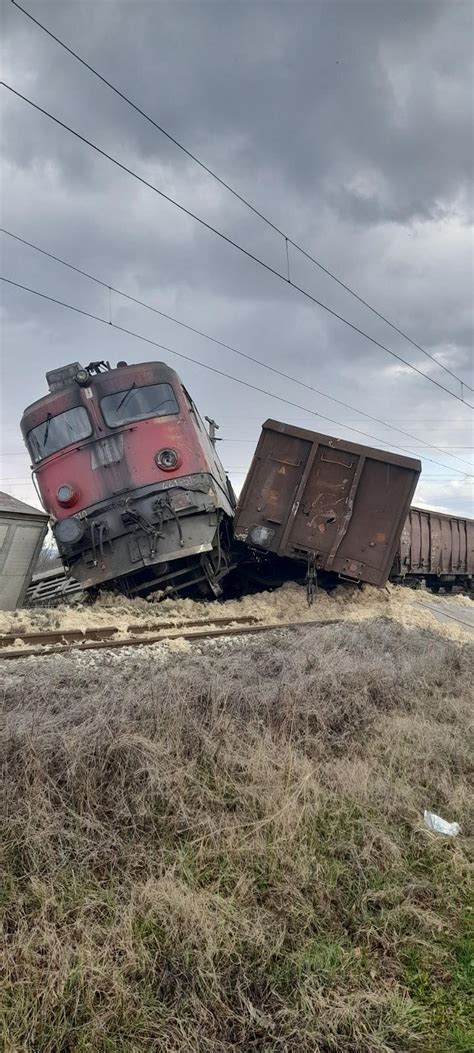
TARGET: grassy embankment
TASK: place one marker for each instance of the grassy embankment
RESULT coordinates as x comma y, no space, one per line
226,851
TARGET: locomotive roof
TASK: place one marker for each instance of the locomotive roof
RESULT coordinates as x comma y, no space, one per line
50,398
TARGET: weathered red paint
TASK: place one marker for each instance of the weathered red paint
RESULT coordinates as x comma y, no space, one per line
141,441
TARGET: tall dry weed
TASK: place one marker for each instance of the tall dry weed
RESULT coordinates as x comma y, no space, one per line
226,852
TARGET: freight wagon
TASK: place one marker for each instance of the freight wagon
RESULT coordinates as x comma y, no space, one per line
437,549
338,506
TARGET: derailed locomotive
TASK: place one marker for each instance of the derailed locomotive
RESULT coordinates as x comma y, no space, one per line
130,477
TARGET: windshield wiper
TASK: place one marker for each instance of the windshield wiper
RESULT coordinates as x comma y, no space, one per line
160,406
49,418
125,397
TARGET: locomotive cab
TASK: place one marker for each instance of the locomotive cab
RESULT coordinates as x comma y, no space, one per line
134,488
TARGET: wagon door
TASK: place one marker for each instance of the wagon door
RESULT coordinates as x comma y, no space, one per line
349,513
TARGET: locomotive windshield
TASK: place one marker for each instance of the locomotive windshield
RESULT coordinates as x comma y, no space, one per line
154,400
57,432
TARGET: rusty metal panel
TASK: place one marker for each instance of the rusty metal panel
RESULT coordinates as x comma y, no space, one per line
414,550
424,541
312,493
437,544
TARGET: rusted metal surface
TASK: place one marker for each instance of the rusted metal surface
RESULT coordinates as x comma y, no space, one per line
308,493
183,634
82,636
58,636
433,545
239,619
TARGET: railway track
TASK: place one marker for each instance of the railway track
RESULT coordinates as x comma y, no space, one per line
62,641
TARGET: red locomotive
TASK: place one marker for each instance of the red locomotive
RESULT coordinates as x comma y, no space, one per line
130,477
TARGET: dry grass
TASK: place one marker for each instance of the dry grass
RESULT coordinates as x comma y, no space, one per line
226,851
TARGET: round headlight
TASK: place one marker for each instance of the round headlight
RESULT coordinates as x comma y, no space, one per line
67,495
167,459
68,531
83,378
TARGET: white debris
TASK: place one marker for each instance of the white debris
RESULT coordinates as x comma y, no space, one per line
441,826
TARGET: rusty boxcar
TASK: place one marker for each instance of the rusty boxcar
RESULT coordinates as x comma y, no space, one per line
327,501
435,548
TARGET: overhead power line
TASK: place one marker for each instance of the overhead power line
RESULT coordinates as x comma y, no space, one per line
211,369
389,420
288,240
403,420
424,446
230,241
214,340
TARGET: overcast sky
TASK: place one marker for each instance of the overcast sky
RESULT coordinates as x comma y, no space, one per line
348,123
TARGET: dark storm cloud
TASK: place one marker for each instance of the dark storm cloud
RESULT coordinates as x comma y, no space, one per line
321,90
347,123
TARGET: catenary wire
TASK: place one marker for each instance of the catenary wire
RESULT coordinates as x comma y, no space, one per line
211,369
402,420
234,244
288,240
214,340
424,446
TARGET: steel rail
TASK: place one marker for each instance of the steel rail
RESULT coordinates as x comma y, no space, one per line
180,634
60,636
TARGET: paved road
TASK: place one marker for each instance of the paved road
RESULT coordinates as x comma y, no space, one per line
445,609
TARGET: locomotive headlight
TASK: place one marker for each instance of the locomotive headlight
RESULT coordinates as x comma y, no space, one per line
83,378
67,495
167,459
68,531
